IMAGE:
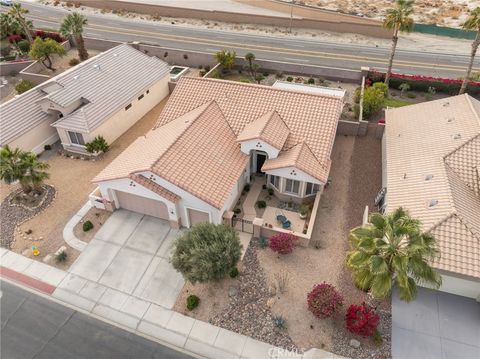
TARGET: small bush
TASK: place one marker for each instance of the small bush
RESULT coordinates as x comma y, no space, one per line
264,186
207,68
5,51
61,257
97,145
24,46
362,320
13,39
411,95
192,302
356,95
263,242
261,204
233,272
47,147
324,300
246,188
382,87
279,322
202,73
282,243
373,100
87,226
74,61
237,210
311,81
24,86
289,78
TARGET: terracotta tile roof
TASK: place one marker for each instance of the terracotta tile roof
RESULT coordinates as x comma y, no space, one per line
154,187
430,150
301,157
197,152
269,128
310,117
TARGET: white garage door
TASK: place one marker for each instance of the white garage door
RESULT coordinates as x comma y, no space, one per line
196,216
142,205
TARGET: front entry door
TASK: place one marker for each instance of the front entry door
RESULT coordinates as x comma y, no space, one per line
260,161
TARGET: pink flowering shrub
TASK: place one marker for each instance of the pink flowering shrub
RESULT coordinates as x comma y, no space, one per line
362,320
282,243
324,300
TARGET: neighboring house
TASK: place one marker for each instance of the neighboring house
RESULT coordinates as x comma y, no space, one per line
432,168
211,137
104,95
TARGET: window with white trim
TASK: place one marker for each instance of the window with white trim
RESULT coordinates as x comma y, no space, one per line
76,138
275,181
312,188
292,186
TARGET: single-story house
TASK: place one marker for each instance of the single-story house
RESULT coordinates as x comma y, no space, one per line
104,95
210,138
431,167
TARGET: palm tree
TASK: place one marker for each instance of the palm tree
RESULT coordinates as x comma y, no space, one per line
472,24
392,250
250,57
72,26
11,167
397,19
226,58
18,12
9,25
35,171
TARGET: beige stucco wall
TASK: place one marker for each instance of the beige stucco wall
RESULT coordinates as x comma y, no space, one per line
35,139
123,120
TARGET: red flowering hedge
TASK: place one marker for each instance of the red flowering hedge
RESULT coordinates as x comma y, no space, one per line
324,300
282,243
13,38
362,320
423,83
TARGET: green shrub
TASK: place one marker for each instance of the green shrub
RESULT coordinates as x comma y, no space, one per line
202,73
270,191
311,81
47,147
373,100
61,257
356,110
237,210
206,252
279,322
5,50
24,86
265,74
263,242
382,87
233,272
261,204
24,46
192,302
87,226
411,95
97,145
207,68
74,61
356,95
246,188
289,78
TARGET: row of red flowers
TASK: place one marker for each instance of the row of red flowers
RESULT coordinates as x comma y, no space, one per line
425,78
14,38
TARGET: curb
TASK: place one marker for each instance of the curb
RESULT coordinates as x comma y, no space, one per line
68,234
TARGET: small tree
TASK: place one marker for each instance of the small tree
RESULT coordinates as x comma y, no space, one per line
282,243
373,100
35,171
404,87
24,86
362,320
17,12
250,57
324,300
41,50
382,87
226,58
206,252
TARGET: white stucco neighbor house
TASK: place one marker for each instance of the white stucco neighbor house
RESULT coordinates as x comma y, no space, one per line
104,95
431,167
210,138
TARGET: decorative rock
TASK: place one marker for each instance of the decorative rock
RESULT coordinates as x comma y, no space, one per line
354,343
47,258
60,250
272,290
232,291
26,252
271,301
40,238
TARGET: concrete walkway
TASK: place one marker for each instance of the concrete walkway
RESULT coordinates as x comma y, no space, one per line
68,234
249,212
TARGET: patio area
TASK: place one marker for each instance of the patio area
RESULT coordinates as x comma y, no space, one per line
296,223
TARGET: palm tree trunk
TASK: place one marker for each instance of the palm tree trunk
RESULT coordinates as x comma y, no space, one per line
28,34
82,51
475,44
392,55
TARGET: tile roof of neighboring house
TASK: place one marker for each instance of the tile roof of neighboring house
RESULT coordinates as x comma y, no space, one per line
301,157
269,128
309,117
432,149
106,83
197,152
155,187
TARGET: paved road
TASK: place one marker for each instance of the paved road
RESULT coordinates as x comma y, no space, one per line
284,49
35,327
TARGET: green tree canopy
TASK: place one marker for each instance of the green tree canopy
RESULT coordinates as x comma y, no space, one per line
226,58
72,26
42,50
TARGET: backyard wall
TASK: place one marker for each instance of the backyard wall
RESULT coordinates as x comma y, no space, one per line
13,68
324,20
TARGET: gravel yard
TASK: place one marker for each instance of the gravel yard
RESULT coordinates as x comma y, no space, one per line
72,181
61,64
97,217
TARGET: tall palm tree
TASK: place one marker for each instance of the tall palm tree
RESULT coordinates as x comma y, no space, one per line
11,167
18,13
72,26
473,24
397,19
250,57
9,25
392,250
35,171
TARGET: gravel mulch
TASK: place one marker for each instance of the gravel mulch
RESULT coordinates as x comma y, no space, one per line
247,312
13,214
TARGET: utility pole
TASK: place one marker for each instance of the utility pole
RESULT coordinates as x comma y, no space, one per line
291,15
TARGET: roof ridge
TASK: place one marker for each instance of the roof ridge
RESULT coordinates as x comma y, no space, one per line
476,114
471,139
316,158
271,88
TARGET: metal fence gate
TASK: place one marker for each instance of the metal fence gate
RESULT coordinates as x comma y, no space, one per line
242,225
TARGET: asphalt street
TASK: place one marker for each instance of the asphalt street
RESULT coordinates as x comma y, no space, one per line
35,327
279,48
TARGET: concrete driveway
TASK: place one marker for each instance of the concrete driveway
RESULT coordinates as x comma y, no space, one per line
436,325
129,254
